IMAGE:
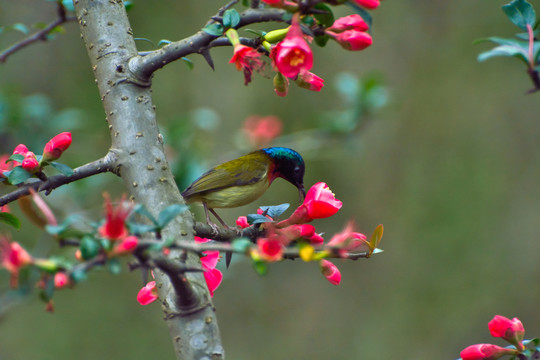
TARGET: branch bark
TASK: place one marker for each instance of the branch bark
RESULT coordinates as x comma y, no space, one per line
143,167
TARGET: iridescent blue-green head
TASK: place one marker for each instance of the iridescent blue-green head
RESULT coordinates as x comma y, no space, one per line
289,165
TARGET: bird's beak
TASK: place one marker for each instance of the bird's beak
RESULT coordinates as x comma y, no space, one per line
301,192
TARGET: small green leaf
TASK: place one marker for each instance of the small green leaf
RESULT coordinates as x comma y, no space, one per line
10,219
241,245
18,175
79,275
520,13
20,27
213,29
16,157
62,228
169,214
62,168
141,210
260,267
505,50
139,229
89,247
188,63
275,211
231,18
114,266
326,19
257,219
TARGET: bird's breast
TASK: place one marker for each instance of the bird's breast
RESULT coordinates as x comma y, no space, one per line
235,195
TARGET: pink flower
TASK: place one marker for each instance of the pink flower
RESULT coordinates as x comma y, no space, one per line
370,4
485,352
281,3
242,222
147,294
270,249
247,59
60,280
114,227
293,53
351,22
13,257
126,245
30,163
296,231
352,40
319,203
510,330
349,241
56,146
212,276
310,81
330,272
261,130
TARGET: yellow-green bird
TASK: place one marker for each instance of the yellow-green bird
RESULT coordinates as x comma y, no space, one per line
241,181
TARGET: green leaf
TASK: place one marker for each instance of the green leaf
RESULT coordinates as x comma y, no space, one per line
505,50
231,18
520,13
276,210
213,29
89,247
260,267
503,41
20,27
79,275
139,229
114,266
326,19
10,219
188,62
170,213
321,40
241,245
18,175
362,12
16,157
62,168
257,219
141,210
62,228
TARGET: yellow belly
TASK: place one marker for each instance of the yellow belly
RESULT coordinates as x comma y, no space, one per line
234,196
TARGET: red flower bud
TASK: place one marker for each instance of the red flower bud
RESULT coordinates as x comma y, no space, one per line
370,4
30,163
147,294
310,81
330,272
352,40
242,222
281,85
485,352
20,149
56,146
60,280
510,330
351,22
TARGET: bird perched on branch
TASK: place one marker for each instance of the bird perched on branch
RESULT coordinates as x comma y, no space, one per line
241,181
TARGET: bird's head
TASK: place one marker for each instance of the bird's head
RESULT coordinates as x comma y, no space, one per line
289,165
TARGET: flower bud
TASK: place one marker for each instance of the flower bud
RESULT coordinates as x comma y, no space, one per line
281,85
30,163
56,146
352,40
351,22
147,294
510,330
330,272
485,352
310,81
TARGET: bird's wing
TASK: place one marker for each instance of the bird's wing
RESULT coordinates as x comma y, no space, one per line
236,172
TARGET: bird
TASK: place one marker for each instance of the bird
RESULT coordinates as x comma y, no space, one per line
243,180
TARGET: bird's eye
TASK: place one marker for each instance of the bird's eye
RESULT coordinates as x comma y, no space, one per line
296,170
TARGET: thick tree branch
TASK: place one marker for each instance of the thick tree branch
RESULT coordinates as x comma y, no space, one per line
144,66
106,164
38,36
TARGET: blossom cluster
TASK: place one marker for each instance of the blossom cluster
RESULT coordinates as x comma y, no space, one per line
289,49
30,163
510,330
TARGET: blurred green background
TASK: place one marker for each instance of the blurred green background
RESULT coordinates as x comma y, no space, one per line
449,166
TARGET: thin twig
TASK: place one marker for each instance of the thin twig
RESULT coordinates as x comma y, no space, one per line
38,36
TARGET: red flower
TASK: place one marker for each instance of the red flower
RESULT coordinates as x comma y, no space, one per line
319,203
213,279
5,167
114,227
242,222
147,294
127,245
20,149
330,272
30,163
349,241
247,59
293,53
212,276
352,40
56,146
510,330
485,352
270,249
261,130
310,81
13,257
370,4
351,22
